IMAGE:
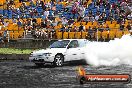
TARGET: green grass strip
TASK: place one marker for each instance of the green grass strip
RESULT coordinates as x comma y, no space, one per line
15,51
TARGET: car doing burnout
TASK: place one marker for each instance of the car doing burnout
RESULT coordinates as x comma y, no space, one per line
59,52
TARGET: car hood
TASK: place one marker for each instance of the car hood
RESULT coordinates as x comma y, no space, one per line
49,50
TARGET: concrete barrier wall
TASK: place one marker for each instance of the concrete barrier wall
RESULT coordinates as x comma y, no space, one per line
27,44
14,56
23,44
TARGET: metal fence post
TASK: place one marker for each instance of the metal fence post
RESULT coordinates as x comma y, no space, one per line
51,35
97,34
8,36
24,34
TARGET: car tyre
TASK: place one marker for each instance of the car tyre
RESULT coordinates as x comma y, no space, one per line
59,60
82,80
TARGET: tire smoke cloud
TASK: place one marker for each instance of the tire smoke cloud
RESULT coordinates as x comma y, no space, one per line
114,52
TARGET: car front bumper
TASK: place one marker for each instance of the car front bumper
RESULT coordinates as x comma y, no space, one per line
43,59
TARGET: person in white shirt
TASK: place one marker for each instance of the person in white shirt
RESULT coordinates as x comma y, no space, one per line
6,24
46,13
64,21
97,16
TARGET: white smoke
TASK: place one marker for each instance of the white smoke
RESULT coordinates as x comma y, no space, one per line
114,52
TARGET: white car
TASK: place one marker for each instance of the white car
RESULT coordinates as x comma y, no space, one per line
59,52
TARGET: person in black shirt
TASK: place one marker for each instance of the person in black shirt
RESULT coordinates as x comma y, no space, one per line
90,33
121,26
129,27
81,28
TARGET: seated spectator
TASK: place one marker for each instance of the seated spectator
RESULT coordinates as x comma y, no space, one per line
5,34
129,26
86,18
91,18
104,17
64,21
107,27
21,1
54,23
129,16
1,39
75,29
63,28
19,23
70,21
81,28
91,32
34,20
81,11
97,17
100,20
46,13
6,24
1,25
122,26
44,23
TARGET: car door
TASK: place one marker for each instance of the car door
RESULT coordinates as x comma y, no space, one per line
73,51
82,46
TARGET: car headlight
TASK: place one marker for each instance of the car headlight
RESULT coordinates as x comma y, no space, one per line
31,54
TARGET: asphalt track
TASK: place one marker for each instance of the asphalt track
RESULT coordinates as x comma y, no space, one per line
24,74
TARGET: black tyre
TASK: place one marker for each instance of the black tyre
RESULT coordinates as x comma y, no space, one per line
82,80
58,61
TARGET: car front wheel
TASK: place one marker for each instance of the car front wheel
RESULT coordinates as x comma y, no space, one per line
58,61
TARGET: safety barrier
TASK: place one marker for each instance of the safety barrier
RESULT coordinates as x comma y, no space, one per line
97,35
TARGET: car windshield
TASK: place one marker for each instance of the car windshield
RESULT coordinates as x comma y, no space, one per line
59,44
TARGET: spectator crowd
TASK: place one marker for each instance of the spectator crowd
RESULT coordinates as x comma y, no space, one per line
45,18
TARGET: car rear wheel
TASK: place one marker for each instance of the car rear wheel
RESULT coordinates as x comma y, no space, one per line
58,60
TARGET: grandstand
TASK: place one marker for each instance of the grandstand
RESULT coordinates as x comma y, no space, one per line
63,19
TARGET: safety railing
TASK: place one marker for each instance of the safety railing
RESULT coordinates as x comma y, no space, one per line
47,35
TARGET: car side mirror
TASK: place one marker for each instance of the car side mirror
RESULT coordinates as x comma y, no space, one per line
68,47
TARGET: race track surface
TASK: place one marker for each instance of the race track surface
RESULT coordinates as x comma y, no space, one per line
24,74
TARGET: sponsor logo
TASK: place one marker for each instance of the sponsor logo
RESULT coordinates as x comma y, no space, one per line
89,78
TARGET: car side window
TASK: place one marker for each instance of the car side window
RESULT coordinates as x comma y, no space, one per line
73,44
